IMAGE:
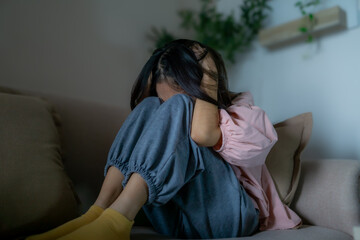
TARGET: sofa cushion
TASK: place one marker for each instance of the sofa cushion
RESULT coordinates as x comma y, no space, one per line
305,232
35,192
283,160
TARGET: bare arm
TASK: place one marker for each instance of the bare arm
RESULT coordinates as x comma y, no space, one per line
205,130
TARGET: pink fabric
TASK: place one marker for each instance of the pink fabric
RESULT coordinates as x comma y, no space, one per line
247,137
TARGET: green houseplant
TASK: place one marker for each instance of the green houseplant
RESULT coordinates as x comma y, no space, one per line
221,32
311,18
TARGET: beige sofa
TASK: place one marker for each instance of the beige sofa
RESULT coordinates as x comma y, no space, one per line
326,198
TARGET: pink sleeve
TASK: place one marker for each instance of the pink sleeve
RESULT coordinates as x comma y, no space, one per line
247,135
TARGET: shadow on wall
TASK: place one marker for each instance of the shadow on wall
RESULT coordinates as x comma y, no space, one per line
75,49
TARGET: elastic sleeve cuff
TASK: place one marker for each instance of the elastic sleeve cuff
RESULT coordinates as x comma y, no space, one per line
223,139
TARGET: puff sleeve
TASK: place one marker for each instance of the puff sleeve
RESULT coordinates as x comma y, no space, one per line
247,133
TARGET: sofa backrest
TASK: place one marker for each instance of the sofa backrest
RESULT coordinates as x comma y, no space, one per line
87,131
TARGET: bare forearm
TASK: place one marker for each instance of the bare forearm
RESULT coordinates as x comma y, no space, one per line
205,129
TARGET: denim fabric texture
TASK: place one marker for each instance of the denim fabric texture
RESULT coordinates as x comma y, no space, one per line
193,192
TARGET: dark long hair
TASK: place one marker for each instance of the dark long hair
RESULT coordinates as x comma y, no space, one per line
177,63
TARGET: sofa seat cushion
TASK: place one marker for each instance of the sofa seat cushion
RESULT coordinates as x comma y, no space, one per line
305,232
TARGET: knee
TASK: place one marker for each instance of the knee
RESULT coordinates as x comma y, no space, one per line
146,108
179,100
151,101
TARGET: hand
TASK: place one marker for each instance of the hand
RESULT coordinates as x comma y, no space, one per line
209,82
199,51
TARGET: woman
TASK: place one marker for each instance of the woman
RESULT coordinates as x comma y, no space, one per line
168,157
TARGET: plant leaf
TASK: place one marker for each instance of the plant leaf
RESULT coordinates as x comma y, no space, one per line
303,29
311,17
309,39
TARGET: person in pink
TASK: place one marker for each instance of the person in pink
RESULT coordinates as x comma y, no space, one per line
246,139
195,170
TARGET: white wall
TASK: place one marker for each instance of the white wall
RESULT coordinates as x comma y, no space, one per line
86,49
93,50
322,78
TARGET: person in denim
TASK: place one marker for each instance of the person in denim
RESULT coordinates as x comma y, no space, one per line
192,192
162,159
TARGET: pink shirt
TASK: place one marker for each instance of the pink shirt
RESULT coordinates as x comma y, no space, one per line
247,137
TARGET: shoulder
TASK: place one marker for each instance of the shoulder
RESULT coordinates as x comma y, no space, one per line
243,116
247,133
243,98
243,108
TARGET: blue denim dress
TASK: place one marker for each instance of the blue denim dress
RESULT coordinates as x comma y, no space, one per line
193,192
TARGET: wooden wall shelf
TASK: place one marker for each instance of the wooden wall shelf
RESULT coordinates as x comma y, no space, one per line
327,20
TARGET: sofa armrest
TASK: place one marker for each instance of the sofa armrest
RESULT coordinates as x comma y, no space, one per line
328,194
